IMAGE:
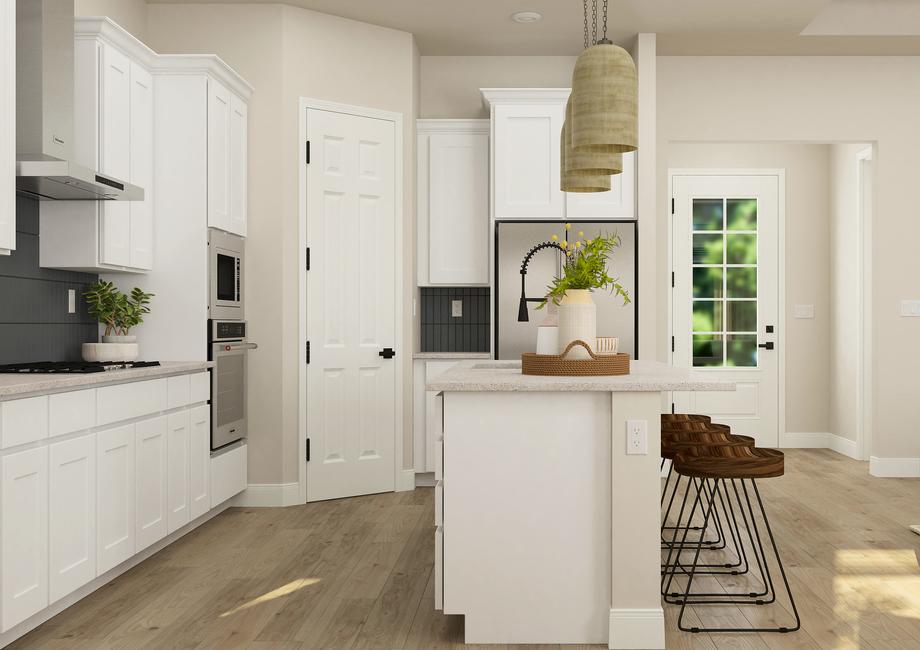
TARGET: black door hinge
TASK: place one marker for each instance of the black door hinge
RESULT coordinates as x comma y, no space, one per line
672,198
672,344
308,352
672,407
308,258
308,450
672,279
308,152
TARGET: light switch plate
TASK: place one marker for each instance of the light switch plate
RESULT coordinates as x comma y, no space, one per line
910,308
71,301
803,311
637,437
456,308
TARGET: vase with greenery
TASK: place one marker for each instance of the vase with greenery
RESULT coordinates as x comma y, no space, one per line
119,313
584,270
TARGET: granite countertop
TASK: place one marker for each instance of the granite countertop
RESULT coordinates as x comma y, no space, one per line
645,376
14,386
452,355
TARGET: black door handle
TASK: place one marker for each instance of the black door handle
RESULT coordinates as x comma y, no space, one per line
766,346
387,353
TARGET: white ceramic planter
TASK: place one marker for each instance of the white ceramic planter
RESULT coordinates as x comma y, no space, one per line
111,351
130,338
577,321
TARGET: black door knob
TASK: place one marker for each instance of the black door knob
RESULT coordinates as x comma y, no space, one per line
387,353
766,346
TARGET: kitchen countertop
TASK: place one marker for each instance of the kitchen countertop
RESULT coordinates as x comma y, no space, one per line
15,386
452,355
497,376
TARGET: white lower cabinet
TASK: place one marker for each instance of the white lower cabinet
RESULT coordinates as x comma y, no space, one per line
115,497
24,535
200,460
177,471
72,515
427,416
150,465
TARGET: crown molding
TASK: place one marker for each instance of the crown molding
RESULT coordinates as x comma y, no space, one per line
492,96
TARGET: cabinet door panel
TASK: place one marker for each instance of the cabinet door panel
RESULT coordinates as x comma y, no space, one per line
115,233
115,497
24,535
239,165
7,127
527,161
178,470
617,203
115,119
200,460
141,218
218,155
458,211
72,515
151,497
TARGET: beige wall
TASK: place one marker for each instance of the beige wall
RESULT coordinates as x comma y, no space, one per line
287,53
450,84
807,262
846,281
130,14
822,99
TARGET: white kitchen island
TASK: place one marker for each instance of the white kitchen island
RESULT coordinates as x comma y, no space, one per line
548,530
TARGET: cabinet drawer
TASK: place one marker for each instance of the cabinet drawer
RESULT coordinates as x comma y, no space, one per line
228,474
23,421
201,387
69,412
126,401
439,503
178,391
439,568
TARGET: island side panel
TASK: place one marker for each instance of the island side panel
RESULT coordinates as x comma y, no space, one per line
636,616
527,515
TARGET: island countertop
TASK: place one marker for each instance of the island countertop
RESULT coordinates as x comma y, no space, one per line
498,376
15,386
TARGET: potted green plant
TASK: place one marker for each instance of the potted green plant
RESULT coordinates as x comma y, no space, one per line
584,270
119,313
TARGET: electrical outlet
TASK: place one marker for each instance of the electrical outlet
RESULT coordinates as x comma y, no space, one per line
637,437
456,308
71,301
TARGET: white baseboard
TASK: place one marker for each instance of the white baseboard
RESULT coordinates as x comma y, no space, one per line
406,480
269,495
424,479
843,446
632,629
894,467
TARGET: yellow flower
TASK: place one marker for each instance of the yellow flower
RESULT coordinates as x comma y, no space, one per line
588,242
581,233
577,244
568,226
555,237
564,244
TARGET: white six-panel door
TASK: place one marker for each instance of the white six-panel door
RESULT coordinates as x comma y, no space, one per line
725,297
351,310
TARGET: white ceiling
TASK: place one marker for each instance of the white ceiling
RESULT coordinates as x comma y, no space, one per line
484,27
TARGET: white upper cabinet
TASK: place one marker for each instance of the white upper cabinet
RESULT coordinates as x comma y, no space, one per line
453,202
7,127
526,128
228,125
113,133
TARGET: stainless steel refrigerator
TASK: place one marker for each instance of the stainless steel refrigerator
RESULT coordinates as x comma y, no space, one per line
514,239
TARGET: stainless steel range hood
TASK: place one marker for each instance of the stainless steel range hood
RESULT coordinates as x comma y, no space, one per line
44,110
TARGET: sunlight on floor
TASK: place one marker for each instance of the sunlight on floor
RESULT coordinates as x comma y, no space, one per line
280,592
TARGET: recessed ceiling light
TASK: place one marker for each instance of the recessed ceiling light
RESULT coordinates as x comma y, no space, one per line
526,16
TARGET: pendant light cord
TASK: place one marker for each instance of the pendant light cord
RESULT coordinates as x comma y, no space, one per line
605,20
585,3
594,22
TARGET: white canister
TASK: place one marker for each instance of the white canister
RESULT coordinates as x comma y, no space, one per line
547,339
577,321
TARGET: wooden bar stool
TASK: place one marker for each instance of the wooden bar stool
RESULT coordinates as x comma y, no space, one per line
724,465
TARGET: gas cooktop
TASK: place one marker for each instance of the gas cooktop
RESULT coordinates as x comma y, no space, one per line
74,367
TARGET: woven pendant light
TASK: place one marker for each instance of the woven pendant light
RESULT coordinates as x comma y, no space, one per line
586,163
578,182
604,100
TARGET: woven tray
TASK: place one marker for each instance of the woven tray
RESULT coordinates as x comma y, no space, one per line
558,365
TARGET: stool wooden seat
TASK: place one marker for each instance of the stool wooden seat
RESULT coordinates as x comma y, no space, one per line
729,462
694,425
673,443
670,419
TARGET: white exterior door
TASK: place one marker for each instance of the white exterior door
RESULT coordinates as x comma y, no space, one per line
351,310
725,297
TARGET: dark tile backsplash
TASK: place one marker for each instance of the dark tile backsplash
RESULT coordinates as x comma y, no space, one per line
34,323
441,332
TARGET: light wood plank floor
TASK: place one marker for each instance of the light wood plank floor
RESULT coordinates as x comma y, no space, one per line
357,573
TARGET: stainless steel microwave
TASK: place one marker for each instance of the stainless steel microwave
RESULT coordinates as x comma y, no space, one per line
225,276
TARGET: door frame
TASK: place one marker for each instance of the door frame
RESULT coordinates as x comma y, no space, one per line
780,174
865,175
306,103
